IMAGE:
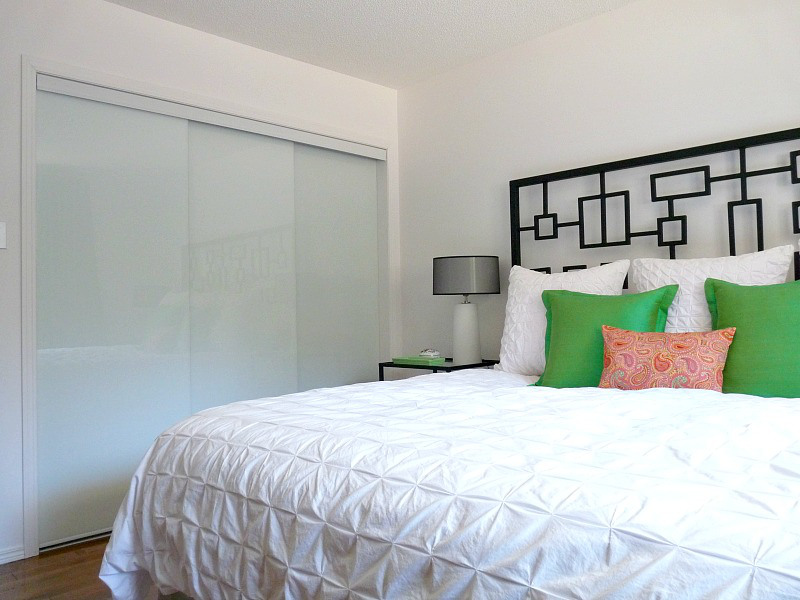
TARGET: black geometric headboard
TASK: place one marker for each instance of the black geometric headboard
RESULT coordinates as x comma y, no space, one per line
673,190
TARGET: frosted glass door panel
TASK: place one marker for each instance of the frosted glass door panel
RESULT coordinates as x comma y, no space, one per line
336,201
241,223
112,315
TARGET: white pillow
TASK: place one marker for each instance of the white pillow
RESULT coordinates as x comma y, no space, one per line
522,346
689,310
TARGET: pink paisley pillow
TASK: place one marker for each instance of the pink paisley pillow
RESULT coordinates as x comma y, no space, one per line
637,361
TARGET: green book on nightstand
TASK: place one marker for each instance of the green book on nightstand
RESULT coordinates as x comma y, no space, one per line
419,360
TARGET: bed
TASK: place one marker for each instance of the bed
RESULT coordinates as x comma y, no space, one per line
477,484
469,484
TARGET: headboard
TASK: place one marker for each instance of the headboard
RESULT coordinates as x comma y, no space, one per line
735,196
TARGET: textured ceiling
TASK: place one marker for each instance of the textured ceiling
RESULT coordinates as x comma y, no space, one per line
391,42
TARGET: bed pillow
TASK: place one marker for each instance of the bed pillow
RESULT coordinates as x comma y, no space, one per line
522,345
764,359
689,311
574,340
638,361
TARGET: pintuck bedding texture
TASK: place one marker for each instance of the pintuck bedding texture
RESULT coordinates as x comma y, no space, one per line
468,484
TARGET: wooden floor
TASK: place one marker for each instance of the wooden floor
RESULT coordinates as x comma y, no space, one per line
66,574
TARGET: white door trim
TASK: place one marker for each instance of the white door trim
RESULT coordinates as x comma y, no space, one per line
192,112
30,490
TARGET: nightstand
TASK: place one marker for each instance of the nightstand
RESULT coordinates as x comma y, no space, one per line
446,367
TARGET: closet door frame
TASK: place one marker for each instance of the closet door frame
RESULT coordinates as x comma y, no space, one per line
31,69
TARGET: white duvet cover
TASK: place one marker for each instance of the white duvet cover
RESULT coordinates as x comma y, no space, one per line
468,484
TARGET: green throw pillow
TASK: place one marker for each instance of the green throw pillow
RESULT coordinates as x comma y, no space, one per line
764,358
574,340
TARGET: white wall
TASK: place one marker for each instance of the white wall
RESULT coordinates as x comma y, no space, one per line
104,37
651,76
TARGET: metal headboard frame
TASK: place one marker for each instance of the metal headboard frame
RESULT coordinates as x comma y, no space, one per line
663,238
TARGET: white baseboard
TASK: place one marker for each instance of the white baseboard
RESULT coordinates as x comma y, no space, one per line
11,554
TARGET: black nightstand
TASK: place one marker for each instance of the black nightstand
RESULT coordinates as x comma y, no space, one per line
446,367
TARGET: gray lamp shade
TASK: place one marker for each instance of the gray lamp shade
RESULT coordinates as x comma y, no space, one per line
466,275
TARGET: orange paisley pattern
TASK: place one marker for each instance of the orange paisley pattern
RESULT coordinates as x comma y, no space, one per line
637,361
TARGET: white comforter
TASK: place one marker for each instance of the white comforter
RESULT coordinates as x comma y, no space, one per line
468,484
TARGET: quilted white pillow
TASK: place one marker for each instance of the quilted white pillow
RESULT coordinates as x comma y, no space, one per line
689,310
522,345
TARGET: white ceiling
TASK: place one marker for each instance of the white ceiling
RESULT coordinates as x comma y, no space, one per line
390,42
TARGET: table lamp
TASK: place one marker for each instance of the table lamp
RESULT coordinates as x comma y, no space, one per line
465,275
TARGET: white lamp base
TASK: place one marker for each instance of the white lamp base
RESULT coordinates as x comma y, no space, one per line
466,339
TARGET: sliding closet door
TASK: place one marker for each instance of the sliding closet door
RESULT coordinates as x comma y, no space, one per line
241,229
112,313
336,207
183,265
